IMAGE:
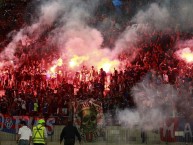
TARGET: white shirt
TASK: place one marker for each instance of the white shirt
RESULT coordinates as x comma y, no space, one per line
25,132
23,105
165,77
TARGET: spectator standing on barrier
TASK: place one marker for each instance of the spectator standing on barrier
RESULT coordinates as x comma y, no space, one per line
39,134
68,134
24,135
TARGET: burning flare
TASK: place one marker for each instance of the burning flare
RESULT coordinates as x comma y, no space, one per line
108,65
52,71
59,62
77,60
186,54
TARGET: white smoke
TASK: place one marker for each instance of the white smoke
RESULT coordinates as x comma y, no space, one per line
128,118
156,16
183,14
162,16
129,40
155,102
146,21
167,14
29,34
72,34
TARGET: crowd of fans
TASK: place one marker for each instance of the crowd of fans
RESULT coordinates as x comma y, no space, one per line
29,90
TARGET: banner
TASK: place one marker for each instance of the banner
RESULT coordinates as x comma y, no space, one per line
177,130
11,124
88,117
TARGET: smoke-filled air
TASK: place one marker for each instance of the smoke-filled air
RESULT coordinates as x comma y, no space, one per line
134,57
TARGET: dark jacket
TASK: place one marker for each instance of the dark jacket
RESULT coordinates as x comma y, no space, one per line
68,134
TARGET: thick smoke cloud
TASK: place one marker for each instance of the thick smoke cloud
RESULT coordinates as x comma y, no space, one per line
71,33
29,34
129,39
70,17
149,113
183,14
159,16
155,16
73,36
155,101
162,15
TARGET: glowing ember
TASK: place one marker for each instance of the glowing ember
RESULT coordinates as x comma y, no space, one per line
186,54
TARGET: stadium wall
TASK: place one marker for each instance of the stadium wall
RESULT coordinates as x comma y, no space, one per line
116,135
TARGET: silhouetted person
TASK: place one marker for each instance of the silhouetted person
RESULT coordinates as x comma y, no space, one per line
143,136
68,134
